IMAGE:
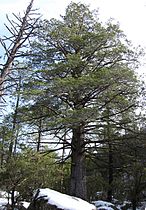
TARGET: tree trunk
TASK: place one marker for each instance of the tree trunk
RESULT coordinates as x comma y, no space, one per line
12,205
78,175
14,140
134,204
39,135
110,158
110,178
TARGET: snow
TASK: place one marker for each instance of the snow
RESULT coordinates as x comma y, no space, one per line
64,201
25,204
3,201
5,194
103,205
105,208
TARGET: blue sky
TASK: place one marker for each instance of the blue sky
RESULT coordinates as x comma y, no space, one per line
131,14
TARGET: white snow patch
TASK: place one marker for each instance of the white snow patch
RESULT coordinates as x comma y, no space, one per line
3,201
5,194
64,201
105,208
103,205
25,204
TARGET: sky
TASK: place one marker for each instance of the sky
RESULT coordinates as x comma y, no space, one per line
131,14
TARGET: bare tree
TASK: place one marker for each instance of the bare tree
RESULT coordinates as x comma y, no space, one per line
20,30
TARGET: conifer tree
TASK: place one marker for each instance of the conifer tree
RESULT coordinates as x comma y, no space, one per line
79,66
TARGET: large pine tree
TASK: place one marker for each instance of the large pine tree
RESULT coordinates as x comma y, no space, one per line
79,66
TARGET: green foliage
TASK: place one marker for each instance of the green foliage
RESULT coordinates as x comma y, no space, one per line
28,171
79,69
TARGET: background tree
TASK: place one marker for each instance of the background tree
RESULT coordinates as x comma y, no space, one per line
14,45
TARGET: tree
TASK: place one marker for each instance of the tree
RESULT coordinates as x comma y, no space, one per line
27,172
134,173
76,64
14,45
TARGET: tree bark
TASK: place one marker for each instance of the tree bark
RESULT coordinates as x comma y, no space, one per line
78,174
110,158
110,178
15,127
39,135
134,204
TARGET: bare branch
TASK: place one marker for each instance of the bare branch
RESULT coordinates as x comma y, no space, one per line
20,31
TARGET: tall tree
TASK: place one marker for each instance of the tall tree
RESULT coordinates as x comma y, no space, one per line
20,30
76,62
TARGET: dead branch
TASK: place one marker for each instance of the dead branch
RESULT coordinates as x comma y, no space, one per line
20,30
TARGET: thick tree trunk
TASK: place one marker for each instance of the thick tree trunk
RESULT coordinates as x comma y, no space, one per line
78,175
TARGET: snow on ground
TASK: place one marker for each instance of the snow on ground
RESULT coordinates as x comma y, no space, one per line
103,205
3,201
64,201
5,194
25,204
